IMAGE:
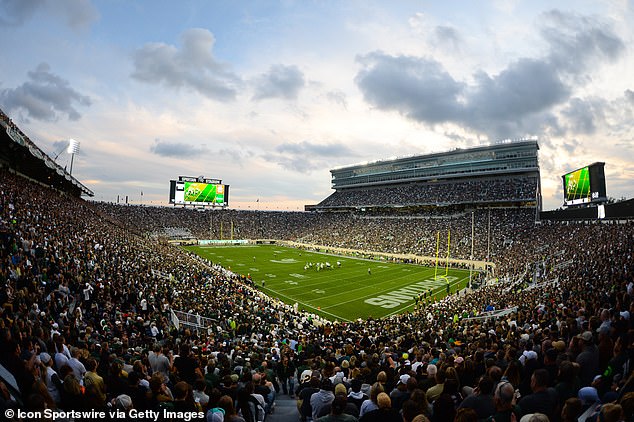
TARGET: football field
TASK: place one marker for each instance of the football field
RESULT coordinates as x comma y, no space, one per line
335,287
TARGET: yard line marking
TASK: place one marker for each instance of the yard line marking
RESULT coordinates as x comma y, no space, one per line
408,306
314,308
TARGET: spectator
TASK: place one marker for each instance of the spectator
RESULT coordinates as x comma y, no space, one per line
384,412
481,401
320,401
337,413
505,408
543,398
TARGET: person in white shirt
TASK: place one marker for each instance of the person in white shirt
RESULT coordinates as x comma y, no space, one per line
53,383
79,370
87,292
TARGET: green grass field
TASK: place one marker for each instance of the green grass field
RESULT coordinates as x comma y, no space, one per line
359,288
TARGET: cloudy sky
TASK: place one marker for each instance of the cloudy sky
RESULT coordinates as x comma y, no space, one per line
270,95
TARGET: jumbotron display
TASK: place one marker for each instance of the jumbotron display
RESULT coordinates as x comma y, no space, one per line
585,185
199,191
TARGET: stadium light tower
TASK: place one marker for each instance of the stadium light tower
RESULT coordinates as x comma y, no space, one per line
73,148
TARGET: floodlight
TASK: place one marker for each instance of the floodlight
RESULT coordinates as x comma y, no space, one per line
73,146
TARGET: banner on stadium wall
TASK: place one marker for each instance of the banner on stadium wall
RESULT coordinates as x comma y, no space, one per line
222,242
425,260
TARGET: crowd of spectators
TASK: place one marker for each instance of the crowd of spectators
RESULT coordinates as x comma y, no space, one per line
499,234
87,297
436,193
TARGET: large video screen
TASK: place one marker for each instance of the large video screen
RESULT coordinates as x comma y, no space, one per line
198,193
585,185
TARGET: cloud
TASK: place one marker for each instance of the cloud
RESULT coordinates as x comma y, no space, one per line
571,146
16,12
525,88
193,66
520,100
576,42
337,97
45,96
58,148
448,37
177,149
582,114
236,155
304,157
418,88
280,81
76,13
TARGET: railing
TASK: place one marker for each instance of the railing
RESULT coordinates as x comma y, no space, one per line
492,314
194,322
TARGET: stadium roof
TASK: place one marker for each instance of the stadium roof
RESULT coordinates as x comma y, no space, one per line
457,151
23,156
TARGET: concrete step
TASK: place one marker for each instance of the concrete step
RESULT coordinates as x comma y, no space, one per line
285,410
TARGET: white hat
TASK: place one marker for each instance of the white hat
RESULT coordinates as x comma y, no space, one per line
45,358
403,379
123,402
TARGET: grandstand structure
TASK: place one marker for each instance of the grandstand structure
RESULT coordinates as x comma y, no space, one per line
502,174
21,155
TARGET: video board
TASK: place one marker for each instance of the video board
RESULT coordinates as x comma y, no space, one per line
585,185
198,191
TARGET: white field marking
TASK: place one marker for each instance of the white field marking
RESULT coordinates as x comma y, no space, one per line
407,306
376,287
364,286
382,291
306,305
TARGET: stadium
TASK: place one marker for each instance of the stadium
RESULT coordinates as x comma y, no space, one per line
436,281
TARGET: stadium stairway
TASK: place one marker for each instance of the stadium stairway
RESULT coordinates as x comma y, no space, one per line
285,410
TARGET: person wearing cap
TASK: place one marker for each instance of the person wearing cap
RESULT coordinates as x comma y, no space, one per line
304,382
588,359
401,393
53,382
123,402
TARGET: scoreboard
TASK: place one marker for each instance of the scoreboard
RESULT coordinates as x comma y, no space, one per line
198,191
585,185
